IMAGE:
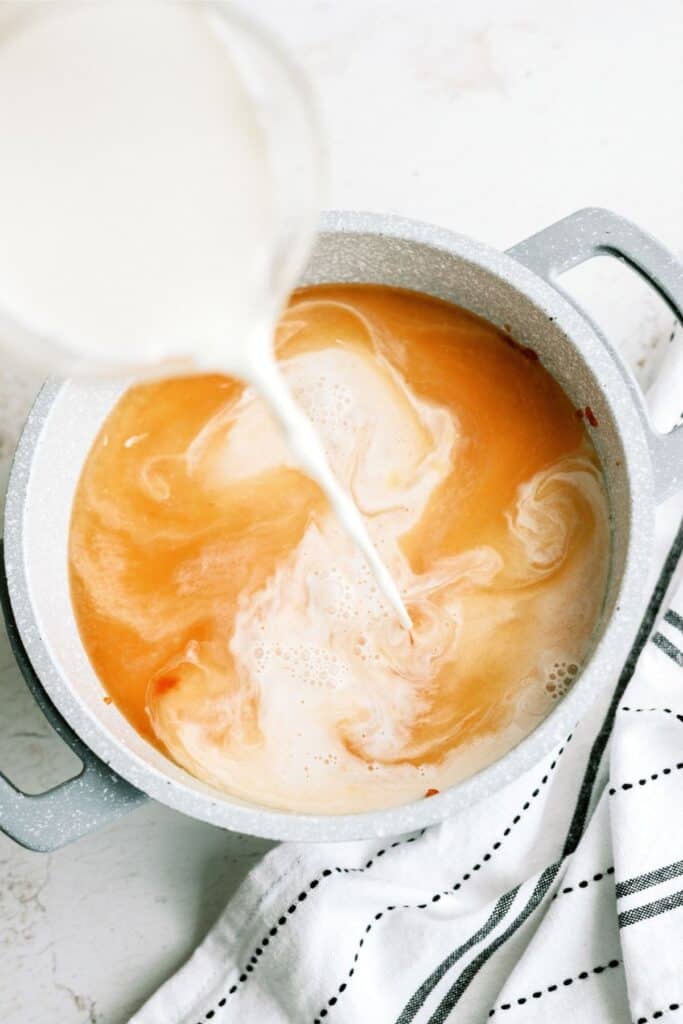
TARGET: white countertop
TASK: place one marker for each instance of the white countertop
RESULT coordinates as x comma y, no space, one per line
493,119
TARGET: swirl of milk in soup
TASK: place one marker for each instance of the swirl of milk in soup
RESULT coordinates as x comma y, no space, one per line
234,623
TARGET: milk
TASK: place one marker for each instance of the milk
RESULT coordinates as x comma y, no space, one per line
138,212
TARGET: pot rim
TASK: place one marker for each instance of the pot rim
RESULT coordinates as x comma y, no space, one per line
219,809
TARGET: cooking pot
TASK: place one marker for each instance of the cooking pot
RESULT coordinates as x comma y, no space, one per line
516,289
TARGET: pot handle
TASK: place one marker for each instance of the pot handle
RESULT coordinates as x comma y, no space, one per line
95,797
593,232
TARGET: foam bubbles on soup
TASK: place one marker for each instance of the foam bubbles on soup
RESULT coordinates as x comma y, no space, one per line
238,629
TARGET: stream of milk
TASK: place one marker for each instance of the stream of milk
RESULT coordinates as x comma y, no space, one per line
138,208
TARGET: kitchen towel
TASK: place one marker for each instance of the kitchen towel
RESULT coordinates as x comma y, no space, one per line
560,897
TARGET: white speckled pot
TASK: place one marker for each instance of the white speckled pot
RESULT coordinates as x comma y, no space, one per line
514,289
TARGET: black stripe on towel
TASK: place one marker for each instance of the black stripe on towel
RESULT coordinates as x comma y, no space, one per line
674,619
648,879
416,1001
658,1014
456,990
646,779
557,986
663,711
649,910
665,645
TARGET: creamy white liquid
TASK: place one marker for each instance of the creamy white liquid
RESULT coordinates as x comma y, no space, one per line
138,219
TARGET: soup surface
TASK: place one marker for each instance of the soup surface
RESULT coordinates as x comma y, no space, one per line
236,627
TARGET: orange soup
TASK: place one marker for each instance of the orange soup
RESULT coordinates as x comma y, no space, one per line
234,625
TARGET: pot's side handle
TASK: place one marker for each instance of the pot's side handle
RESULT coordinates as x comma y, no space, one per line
594,232
94,798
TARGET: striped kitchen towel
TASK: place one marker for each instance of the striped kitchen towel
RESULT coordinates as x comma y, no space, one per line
559,898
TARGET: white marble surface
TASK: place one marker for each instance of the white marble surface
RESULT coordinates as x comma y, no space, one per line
491,118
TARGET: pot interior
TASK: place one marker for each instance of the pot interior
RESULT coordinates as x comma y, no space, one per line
455,270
